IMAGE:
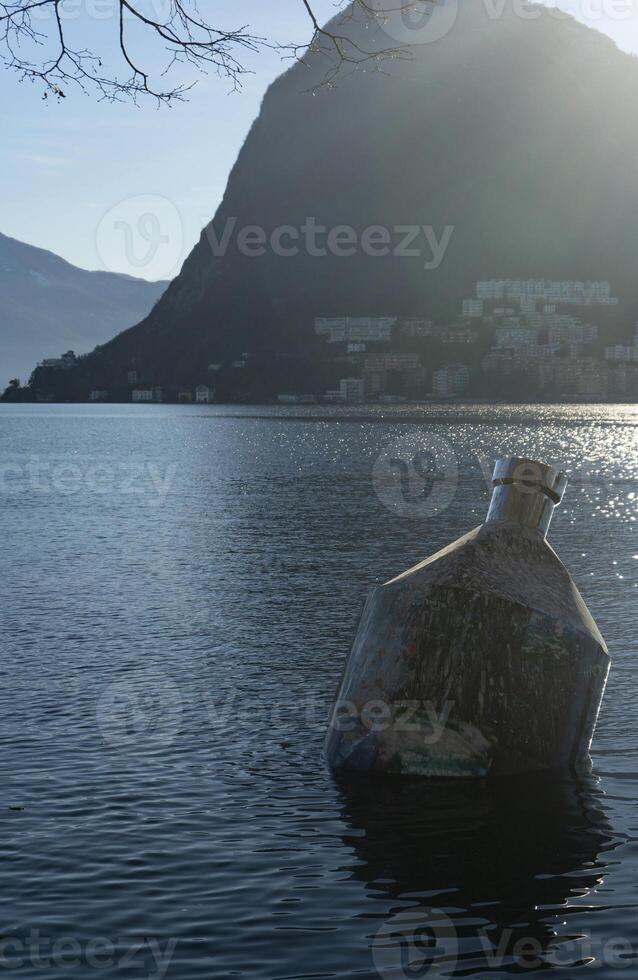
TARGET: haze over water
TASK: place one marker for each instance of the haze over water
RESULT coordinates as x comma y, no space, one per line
179,588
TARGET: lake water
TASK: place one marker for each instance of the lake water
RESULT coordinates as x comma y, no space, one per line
180,587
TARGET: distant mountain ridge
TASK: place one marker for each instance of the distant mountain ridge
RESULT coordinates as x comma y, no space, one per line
48,306
516,132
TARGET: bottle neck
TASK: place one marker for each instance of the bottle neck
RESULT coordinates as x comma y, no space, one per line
528,506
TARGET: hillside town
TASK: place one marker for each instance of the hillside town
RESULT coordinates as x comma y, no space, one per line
544,331
536,339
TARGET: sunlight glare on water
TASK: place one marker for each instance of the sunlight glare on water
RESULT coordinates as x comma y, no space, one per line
180,587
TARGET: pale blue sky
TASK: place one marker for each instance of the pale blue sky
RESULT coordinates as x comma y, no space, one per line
76,173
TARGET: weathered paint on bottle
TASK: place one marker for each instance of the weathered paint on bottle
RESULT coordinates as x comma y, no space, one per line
481,659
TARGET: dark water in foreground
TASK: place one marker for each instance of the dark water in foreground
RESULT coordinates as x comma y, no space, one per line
179,590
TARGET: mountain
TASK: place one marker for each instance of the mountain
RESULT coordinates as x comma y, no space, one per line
514,135
48,306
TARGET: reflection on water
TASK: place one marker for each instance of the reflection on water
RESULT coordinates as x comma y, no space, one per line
219,556
484,870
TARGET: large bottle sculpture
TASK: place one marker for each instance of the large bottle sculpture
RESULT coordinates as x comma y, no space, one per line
481,659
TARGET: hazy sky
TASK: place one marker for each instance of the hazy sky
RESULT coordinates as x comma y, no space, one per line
81,178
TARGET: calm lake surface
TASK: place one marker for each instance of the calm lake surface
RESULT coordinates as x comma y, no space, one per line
180,587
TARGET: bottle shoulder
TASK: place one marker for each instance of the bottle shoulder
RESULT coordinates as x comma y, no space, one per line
512,562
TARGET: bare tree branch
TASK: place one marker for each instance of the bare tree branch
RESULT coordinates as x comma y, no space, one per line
34,42
341,50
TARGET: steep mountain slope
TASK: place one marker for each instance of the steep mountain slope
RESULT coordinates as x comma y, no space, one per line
520,133
48,306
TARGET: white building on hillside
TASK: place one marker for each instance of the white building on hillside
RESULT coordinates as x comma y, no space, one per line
451,380
355,329
619,353
204,394
352,389
472,309
528,291
146,395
